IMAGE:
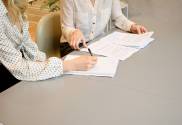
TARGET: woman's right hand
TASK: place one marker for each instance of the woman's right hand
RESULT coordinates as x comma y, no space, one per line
77,38
82,63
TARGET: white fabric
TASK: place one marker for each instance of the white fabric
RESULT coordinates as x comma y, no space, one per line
91,20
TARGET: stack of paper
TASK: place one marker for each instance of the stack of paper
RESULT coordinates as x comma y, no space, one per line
120,45
105,66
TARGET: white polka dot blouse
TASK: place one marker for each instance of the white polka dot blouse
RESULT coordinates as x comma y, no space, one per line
20,55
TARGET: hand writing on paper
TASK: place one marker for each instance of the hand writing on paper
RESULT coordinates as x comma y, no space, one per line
81,63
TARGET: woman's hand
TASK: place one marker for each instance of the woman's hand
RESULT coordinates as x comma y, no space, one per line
82,63
77,38
138,29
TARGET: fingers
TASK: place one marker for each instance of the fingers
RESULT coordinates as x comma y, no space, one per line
89,67
86,62
138,29
84,43
80,40
143,29
93,60
73,41
91,63
76,38
77,43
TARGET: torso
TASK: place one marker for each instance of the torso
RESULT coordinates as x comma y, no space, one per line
94,11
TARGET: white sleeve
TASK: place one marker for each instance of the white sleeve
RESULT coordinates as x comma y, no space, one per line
120,20
24,69
67,18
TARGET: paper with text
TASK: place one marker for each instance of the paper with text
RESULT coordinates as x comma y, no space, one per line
120,45
105,66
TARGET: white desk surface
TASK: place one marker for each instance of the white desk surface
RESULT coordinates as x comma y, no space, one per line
147,89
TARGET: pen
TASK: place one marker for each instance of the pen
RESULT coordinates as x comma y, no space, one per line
90,52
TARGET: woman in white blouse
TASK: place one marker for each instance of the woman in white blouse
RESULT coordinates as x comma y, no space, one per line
83,20
20,55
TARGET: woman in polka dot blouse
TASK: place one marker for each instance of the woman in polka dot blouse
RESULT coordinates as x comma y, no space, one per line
19,55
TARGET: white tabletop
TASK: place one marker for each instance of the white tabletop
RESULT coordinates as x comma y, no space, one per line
147,88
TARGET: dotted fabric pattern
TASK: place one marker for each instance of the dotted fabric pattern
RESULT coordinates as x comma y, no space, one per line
21,56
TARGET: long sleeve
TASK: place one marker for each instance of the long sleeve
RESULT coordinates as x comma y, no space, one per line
24,69
120,20
32,48
29,47
67,19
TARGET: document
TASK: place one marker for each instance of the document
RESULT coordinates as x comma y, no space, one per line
120,45
130,40
105,66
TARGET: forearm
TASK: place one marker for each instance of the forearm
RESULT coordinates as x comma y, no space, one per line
123,23
67,32
67,19
27,69
34,70
119,19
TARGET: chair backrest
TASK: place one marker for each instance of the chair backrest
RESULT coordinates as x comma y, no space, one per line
48,34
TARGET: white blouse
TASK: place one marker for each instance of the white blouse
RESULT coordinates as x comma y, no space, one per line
20,55
91,20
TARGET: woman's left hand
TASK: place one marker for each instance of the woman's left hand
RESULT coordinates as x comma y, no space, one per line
138,29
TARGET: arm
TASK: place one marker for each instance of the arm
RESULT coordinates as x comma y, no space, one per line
119,19
122,22
67,19
24,69
32,49
29,70
72,35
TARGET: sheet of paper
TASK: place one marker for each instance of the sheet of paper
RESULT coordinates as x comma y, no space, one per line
139,44
105,66
107,48
133,40
120,45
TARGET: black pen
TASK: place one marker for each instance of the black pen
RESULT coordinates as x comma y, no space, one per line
90,52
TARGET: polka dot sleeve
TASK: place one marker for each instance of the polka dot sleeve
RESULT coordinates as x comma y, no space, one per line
24,69
31,47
